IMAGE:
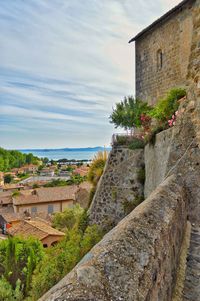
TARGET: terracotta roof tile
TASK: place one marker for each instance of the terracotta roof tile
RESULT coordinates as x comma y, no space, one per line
6,197
50,194
11,216
35,228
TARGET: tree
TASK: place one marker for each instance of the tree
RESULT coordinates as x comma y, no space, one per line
45,160
127,113
67,219
18,259
29,158
14,159
62,258
166,107
8,178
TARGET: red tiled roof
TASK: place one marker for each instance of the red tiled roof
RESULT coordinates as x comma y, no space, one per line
6,197
34,228
49,194
46,195
11,216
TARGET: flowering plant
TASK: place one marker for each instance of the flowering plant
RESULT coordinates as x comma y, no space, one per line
145,121
172,121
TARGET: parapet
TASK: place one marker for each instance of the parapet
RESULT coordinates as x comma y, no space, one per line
138,259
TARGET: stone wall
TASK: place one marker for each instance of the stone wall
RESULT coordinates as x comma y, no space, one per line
156,160
173,37
176,150
138,259
119,188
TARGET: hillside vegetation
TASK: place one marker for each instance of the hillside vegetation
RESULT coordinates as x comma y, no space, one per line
13,159
27,270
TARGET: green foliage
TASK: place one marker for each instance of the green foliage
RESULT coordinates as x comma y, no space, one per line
61,259
136,143
83,221
141,175
114,194
7,293
45,160
97,167
166,107
8,179
127,113
76,179
151,138
91,195
18,259
35,185
56,183
129,206
68,219
69,168
122,140
13,159
15,193
6,290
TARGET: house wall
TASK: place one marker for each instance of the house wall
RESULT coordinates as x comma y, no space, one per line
67,204
51,239
43,207
173,37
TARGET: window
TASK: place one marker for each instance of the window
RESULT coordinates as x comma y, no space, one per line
33,209
159,59
50,209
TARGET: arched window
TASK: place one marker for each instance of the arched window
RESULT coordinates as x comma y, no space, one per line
159,59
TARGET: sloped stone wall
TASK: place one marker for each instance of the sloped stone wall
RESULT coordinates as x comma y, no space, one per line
156,160
138,259
118,188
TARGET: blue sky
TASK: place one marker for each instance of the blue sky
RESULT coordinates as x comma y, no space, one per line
63,65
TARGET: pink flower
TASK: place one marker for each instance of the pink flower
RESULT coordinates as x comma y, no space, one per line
176,113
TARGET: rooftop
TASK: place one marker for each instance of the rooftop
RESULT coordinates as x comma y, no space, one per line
11,216
34,228
162,19
6,197
49,194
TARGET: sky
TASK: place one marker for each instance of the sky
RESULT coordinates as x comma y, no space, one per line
63,66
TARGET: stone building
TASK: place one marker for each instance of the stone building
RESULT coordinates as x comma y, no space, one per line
163,51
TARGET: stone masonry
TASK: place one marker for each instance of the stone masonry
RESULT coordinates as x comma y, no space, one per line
118,188
138,259
168,40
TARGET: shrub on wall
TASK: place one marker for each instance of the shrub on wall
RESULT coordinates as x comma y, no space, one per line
136,143
127,113
129,206
166,107
141,175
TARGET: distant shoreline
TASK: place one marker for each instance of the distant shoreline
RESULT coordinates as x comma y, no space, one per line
76,154
97,148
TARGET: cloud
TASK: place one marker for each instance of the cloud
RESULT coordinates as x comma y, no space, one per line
63,66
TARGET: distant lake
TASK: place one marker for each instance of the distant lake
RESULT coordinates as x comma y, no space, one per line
67,153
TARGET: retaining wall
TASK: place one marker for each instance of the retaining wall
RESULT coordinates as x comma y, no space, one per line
138,259
119,187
